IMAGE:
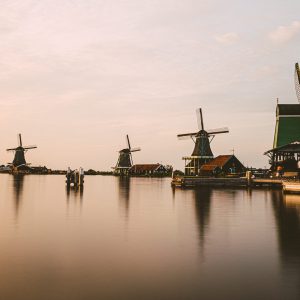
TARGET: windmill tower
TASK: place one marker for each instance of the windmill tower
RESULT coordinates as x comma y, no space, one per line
125,159
285,155
19,159
202,152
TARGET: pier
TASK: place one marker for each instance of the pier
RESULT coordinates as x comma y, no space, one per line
227,182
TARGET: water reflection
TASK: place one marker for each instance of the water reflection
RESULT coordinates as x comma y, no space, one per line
74,195
124,194
202,200
17,183
287,214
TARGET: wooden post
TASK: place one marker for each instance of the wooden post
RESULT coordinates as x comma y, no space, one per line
249,178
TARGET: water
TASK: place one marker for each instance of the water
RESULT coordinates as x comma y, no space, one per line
139,239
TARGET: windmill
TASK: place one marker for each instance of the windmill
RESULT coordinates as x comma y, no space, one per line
297,81
19,159
125,159
202,152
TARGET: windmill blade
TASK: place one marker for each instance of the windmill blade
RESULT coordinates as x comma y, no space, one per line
20,140
128,143
200,119
135,149
297,81
30,147
22,165
218,130
186,136
11,149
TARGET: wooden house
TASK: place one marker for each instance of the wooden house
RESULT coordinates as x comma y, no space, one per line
222,164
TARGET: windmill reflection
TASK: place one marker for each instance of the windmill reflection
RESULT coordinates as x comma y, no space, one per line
287,215
17,184
124,194
202,200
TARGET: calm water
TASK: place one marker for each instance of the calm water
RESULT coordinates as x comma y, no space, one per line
139,239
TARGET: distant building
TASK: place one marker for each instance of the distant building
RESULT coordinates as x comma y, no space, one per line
225,164
149,169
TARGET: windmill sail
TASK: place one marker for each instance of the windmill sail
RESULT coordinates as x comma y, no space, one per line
218,130
20,140
297,81
200,119
128,142
185,136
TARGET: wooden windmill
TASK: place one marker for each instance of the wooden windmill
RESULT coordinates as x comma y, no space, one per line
285,154
19,159
202,152
287,128
124,162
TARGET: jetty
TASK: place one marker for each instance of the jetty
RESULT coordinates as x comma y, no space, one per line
291,187
185,182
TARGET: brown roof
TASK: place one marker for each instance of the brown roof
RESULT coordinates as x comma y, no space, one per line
145,167
208,167
219,161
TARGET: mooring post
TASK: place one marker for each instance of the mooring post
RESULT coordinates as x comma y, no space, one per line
249,178
81,176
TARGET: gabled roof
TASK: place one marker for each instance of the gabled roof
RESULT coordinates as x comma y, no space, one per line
207,167
145,167
219,161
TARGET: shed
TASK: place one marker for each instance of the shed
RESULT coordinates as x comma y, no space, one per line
228,164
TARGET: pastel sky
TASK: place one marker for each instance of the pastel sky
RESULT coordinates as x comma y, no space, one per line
77,75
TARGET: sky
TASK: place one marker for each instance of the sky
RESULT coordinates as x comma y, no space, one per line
76,76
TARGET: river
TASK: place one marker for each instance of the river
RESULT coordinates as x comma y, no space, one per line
138,238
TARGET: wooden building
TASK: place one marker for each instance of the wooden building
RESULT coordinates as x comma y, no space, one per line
148,169
222,165
285,159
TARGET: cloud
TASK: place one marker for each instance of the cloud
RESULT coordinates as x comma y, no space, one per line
227,38
284,34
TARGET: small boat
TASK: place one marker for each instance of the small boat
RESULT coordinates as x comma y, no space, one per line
177,182
291,186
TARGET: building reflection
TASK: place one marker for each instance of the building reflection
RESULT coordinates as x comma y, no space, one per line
124,194
287,215
74,195
17,184
202,202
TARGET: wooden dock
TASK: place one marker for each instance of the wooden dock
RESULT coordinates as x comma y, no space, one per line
227,182
291,187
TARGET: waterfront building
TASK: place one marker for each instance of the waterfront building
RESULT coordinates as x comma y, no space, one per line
150,169
224,165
